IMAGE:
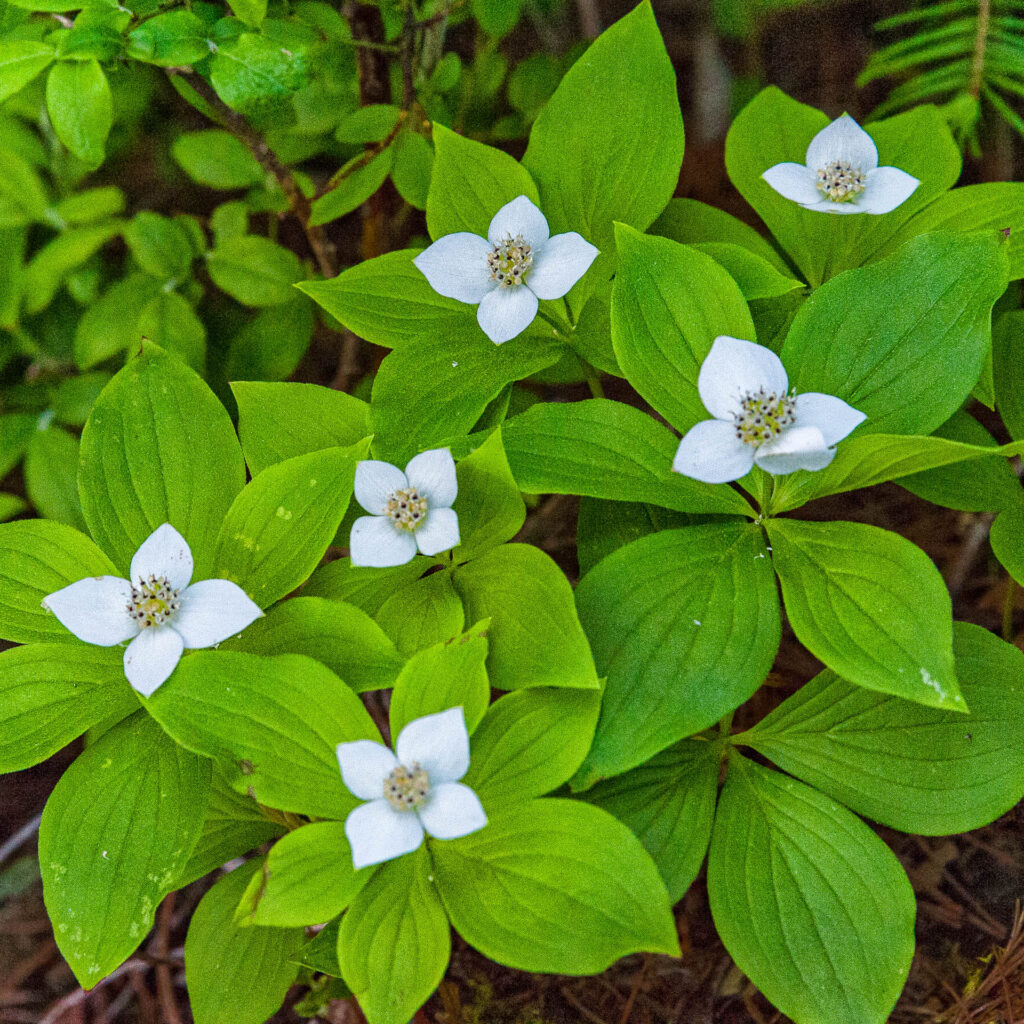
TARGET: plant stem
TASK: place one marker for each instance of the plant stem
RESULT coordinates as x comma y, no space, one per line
980,40
593,379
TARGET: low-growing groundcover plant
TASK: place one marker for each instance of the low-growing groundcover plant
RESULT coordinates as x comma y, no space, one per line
435,731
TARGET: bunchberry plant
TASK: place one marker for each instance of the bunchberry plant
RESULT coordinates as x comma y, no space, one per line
357,726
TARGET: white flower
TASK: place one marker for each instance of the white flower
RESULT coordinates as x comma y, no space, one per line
157,608
410,511
417,791
758,418
509,270
841,174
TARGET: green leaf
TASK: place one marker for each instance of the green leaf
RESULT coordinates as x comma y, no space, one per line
387,301
39,557
51,693
447,675
236,975
48,268
251,713
340,636
354,183
757,277
669,805
279,421
995,205
921,770
170,40
281,523
51,470
116,832
395,941
530,743
16,432
216,158
110,326
90,205
20,61
254,270
159,245
158,448
604,526
491,509
413,168
426,393
591,150
362,586
21,191
73,398
554,886
535,638
810,903
252,12
907,336
669,303
1007,355
270,346
606,449
421,613
869,459
169,321
871,605
81,109
685,625
775,129
372,123
252,74
307,878
497,17
470,182
321,952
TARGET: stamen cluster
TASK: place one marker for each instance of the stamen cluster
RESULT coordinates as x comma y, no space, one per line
510,261
406,508
840,181
765,414
153,601
406,788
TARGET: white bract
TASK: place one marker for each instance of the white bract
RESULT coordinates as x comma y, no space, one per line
414,792
411,511
509,270
758,419
157,609
841,174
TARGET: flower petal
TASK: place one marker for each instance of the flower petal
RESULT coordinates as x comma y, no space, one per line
151,657
439,743
95,610
712,452
213,610
456,266
375,483
559,264
439,533
796,448
843,140
827,206
519,217
377,832
832,416
506,312
376,543
732,369
794,181
432,473
364,767
885,189
452,810
164,553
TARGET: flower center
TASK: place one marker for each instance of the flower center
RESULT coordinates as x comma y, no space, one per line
153,601
510,261
406,788
764,415
407,509
841,182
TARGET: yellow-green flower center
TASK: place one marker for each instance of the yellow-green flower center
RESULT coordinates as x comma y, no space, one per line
153,601
510,261
840,181
407,509
406,788
764,415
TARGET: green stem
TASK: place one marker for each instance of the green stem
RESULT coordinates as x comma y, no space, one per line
593,376
725,724
562,330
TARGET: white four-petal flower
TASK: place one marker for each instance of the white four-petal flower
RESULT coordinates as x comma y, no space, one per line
157,609
758,419
841,174
509,270
417,791
411,511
